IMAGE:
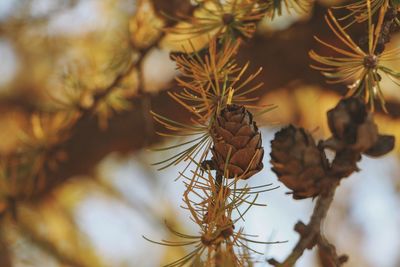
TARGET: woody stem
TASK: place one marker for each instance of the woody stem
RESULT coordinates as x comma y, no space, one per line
312,230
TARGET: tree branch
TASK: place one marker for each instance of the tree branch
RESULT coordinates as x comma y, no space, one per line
310,233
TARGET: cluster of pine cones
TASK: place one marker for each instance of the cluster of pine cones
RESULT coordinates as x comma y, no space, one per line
297,160
302,165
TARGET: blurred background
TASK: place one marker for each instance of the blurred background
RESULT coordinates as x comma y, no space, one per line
104,194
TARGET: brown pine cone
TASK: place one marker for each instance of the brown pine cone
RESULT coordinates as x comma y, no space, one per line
298,162
353,128
237,150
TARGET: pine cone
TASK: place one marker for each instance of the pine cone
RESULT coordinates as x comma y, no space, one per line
298,162
237,147
353,128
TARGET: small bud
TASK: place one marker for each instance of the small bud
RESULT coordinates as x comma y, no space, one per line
227,18
228,232
370,61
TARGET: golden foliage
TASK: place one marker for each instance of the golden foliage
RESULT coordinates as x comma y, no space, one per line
363,69
228,20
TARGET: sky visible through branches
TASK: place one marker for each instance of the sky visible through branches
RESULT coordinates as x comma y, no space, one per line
115,225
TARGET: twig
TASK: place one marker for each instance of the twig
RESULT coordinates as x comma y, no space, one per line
328,255
310,233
